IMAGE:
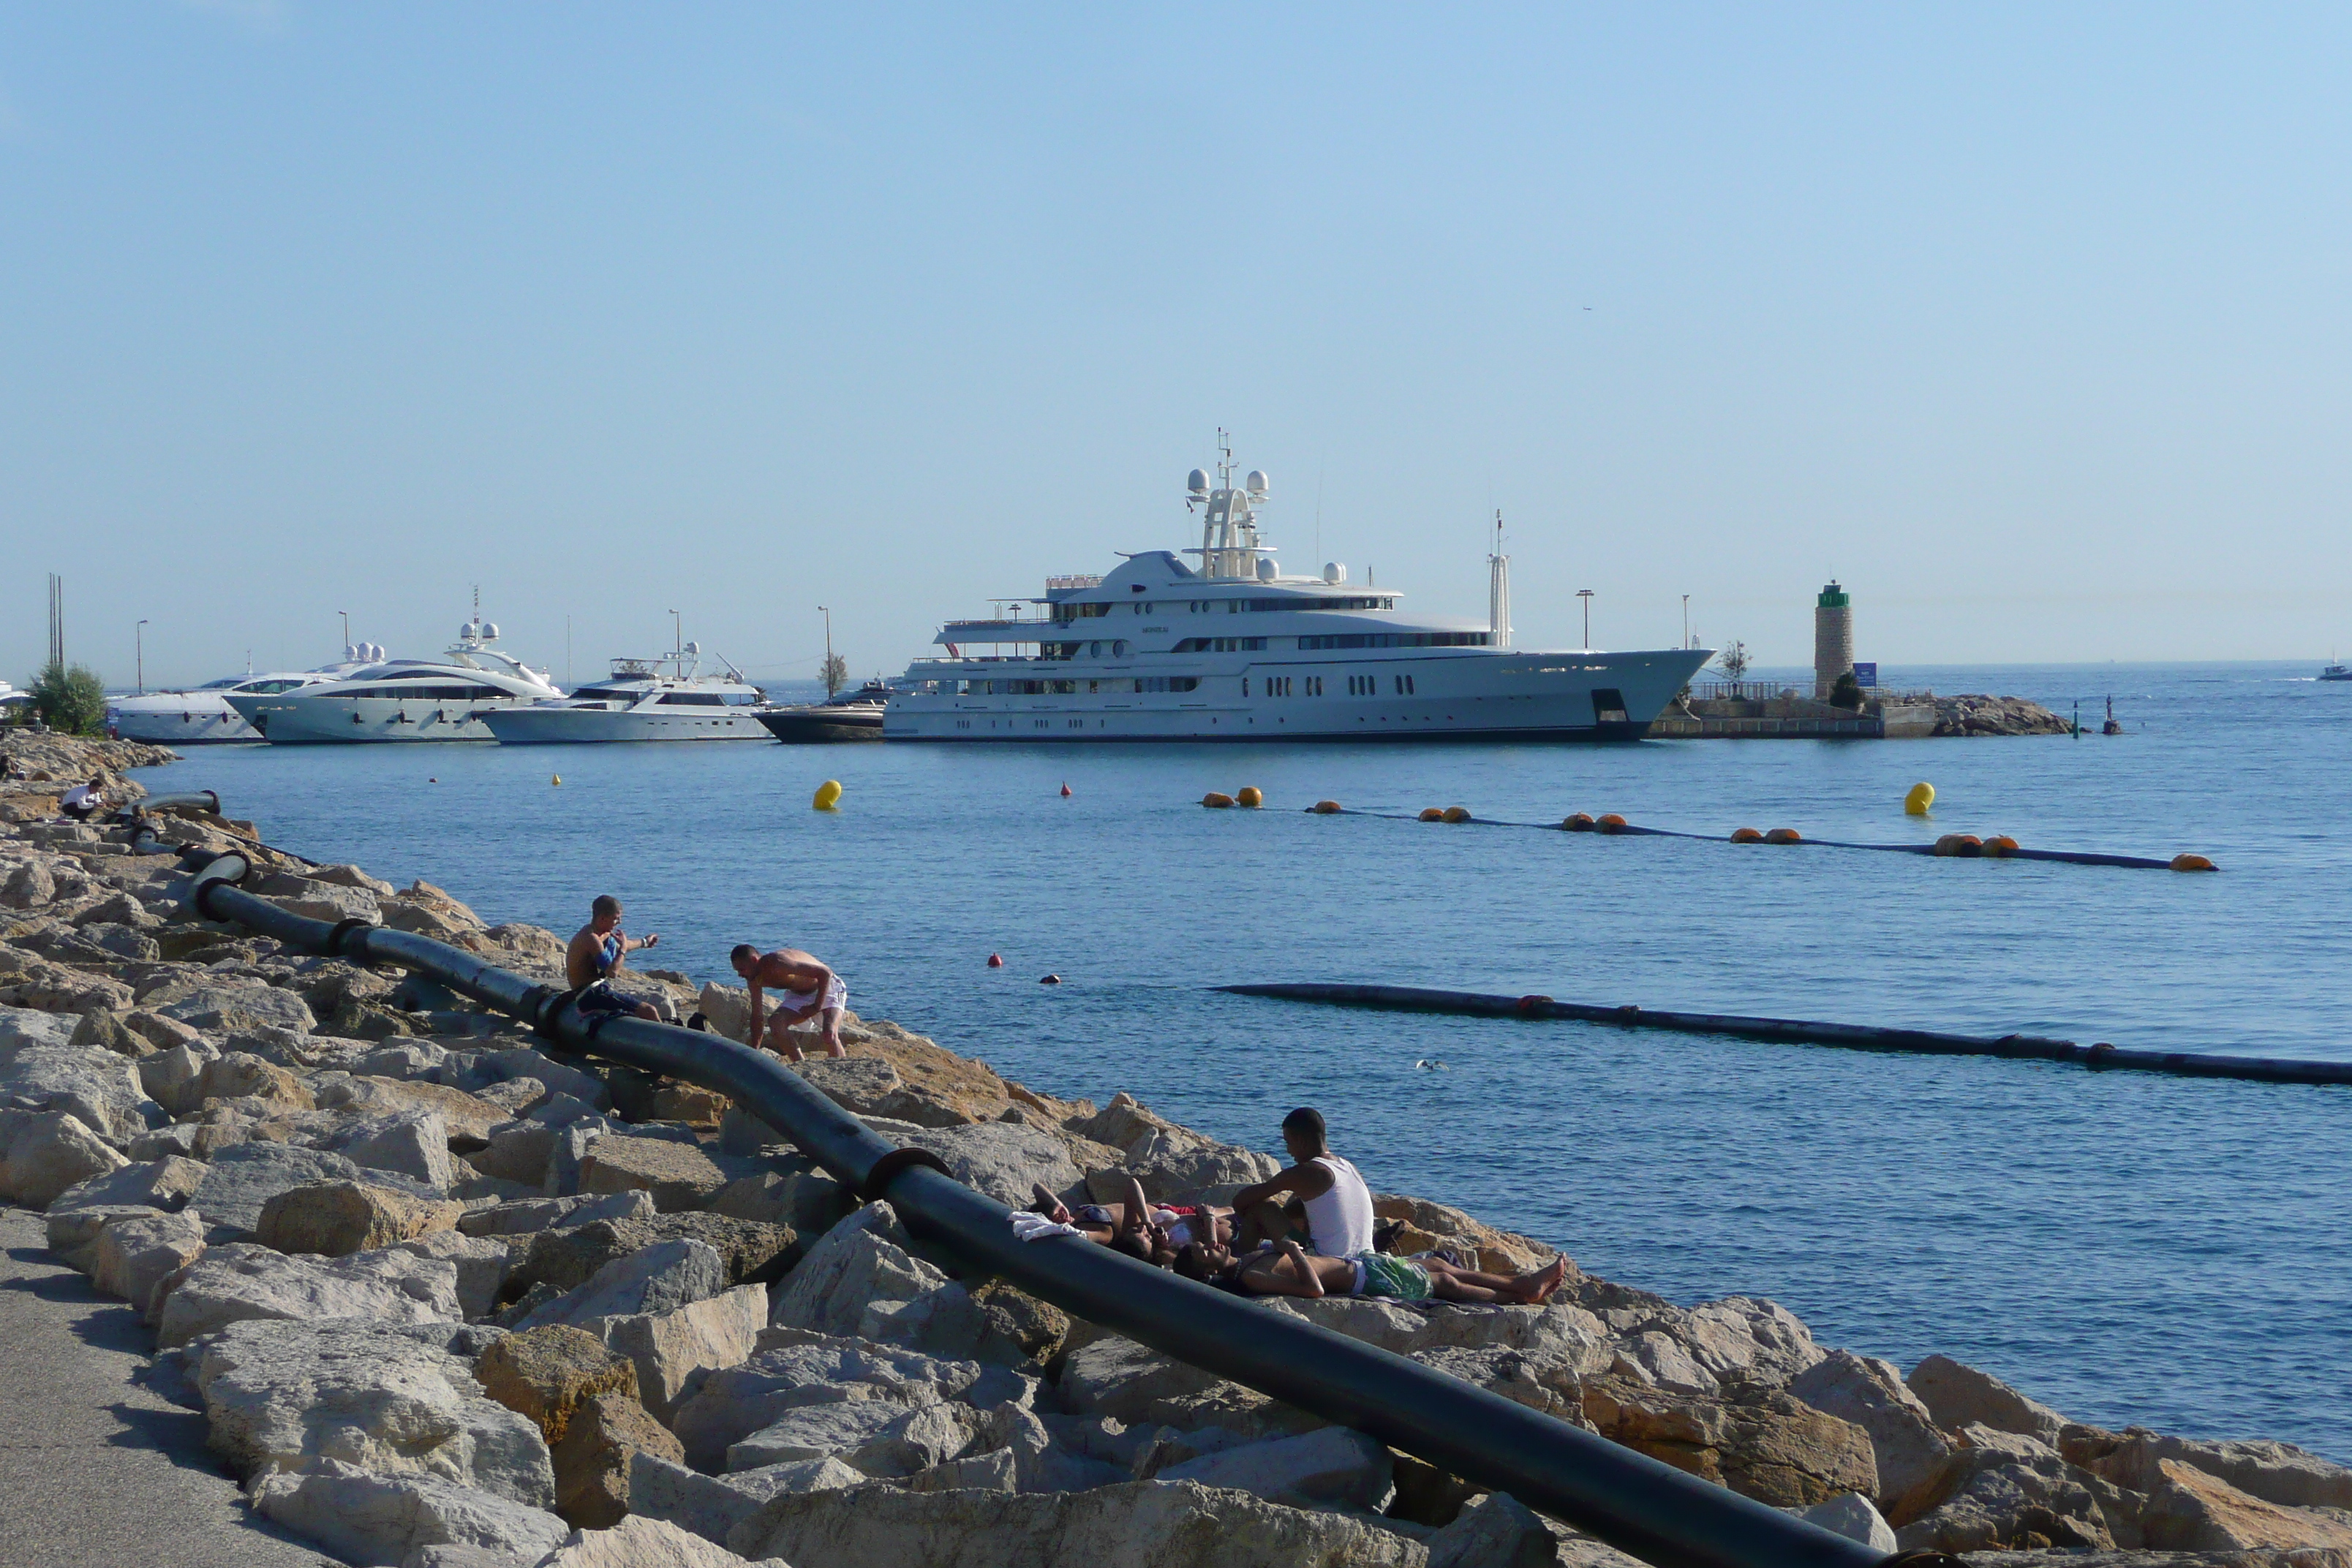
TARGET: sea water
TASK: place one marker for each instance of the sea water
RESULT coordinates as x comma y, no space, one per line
2126,1246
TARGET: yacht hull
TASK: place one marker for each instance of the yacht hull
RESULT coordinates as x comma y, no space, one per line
571,726
1465,695
293,721
821,725
193,723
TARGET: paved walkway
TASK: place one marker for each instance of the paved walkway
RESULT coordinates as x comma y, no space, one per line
96,1471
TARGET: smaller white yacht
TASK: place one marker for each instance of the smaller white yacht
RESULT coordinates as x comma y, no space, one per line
666,699
201,715
403,699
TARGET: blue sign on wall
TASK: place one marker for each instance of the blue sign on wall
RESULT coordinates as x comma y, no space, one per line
1866,674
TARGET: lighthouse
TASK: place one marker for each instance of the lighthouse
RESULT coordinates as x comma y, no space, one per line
1832,638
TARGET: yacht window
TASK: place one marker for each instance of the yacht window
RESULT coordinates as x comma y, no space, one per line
1168,683
1400,639
691,699
1119,648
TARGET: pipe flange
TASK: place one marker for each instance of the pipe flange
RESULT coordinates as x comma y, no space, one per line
540,1004
341,929
887,1169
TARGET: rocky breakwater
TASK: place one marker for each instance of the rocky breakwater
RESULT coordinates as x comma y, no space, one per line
447,1301
1982,715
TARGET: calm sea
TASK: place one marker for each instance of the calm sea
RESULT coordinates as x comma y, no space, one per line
2127,1247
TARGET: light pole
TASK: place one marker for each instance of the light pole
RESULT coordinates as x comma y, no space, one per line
347,626
1687,642
1586,595
829,687
139,635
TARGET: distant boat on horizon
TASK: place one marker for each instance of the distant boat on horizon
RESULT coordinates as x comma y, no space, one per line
2336,672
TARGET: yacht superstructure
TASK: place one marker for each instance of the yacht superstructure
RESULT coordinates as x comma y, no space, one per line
1234,650
666,699
202,716
403,699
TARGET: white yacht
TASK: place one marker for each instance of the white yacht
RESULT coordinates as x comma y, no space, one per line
666,699
403,699
201,715
1234,650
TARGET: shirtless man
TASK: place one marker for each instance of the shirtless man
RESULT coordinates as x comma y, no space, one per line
595,955
1283,1269
1320,1194
804,989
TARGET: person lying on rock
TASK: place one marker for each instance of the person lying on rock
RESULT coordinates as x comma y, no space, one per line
1320,1197
1153,1232
595,955
1283,1268
804,989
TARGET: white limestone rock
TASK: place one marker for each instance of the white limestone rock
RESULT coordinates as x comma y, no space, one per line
735,1402
166,1183
1957,1395
232,1283
643,1544
668,1348
1850,1514
523,1217
1331,1468
377,1522
240,1181
1495,1531
659,1278
45,1154
138,1258
1911,1452
853,1269
1003,1159
711,1506
482,1263
89,1083
414,1143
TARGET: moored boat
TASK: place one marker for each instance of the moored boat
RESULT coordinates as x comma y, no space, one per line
853,716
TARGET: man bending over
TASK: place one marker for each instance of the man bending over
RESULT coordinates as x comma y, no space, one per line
594,957
804,989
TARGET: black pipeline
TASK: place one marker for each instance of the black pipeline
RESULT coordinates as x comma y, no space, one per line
1800,1031
1635,1503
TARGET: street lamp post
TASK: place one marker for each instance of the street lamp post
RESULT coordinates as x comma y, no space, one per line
829,687
1586,595
139,634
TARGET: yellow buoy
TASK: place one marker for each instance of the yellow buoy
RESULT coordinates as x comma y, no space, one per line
2192,863
1324,808
1214,799
1784,836
1577,822
828,795
1433,814
1745,836
1920,798
1457,814
556,780
1249,797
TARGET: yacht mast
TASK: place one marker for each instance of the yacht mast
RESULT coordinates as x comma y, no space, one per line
1498,590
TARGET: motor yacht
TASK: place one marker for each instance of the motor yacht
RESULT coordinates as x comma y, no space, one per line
403,699
201,715
1230,649
666,699
850,716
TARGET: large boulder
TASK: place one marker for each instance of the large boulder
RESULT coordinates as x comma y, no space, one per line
1541,1382
1167,1160
524,1216
874,1436
43,1071
414,1143
45,1154
735,1402
643,1544
854,1270
712,1506
239,1182
481,1261
466,1116
668,1348
1911,1454
166,1183
661,1279
1993,1501
2275,1472
220,1005
240,1075
1120,1379
229,1284
2190,1510
336,1218
565,1256
1772,1448
1139,1524
1331,1468
1958,1396
1495,1531
547,1374
288,1395
591,1461
1004,1158
378,1520
679,1176
138,1258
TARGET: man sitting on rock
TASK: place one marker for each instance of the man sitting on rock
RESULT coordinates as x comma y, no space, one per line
1320,1196
595,955
804,989
1284,1269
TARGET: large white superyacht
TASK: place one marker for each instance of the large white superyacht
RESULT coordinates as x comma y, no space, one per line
201,715
403,699
1234,650
666,699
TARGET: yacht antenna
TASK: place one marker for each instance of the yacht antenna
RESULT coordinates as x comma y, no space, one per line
1498,590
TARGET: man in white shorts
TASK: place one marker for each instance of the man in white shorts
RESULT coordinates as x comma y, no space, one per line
804,989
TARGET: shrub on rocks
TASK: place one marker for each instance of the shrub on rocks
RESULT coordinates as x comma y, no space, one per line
336,1218
232,1283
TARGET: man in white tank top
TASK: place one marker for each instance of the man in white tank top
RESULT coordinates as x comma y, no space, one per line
1320,1195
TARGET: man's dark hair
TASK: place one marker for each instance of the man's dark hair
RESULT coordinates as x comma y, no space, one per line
1134,1245
741,950
1192,1265
1306,1119
605,904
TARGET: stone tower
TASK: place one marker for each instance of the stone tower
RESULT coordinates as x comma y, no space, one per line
1832,638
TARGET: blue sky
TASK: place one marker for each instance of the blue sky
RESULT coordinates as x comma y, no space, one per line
2029,323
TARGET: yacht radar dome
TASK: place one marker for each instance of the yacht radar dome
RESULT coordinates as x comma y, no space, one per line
1267,570
1257,484
490,632
1334,572
1196,484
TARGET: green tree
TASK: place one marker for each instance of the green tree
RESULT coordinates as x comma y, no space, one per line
836,675
71,701
1846,692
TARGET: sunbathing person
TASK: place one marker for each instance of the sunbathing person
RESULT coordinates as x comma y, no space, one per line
1283,1268
1155,1232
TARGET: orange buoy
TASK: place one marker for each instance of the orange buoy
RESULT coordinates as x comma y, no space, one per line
2193,863
1577,822
995,961
1433,814
1745,836
1610,823
1784,836
1999,847
1066,791
1457,814
1215,800
1964,846
1324,808
1250,797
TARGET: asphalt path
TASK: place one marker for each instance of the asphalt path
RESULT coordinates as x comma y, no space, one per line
97,1470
